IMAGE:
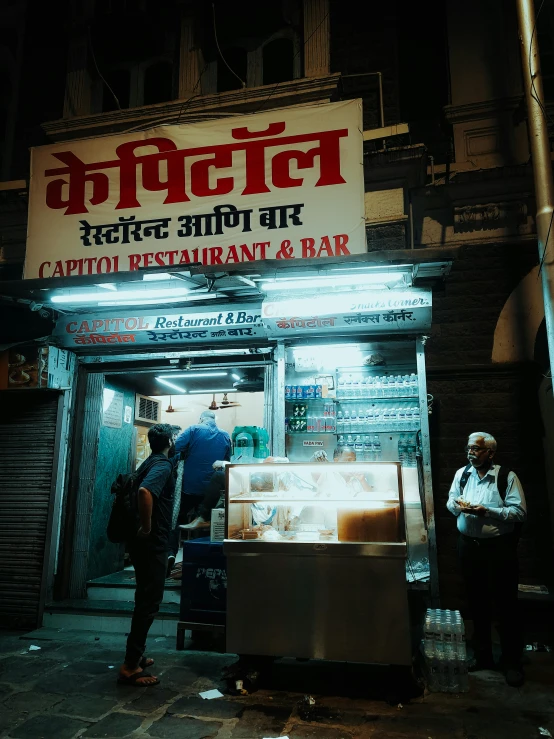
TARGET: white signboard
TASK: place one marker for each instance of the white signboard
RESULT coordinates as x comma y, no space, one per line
128,415
375,311
284,184
112,409
160,329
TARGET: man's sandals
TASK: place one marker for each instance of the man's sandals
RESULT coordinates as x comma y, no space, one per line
136,677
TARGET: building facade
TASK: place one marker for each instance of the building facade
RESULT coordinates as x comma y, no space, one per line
446,166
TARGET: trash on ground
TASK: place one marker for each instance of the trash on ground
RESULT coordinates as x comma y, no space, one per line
110,667
544,732
310,700
400,705
34,648
209,694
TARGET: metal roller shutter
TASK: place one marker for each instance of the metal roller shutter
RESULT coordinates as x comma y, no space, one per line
27,444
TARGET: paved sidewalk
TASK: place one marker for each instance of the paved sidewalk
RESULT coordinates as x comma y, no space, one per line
68,689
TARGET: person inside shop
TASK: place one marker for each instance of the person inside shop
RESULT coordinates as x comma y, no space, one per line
490,507
213,494
200,445
148,550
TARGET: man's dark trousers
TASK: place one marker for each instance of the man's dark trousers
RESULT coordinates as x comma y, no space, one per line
490,571
150,573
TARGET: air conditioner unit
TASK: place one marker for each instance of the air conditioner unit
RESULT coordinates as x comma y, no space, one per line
147,409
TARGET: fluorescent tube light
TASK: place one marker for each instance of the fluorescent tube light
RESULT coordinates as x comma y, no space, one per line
156,277
209,391
171,385
333,280
196,374
123,295
235,376
159,301
108,286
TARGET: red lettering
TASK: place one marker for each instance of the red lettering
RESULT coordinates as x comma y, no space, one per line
134,262
325,247
171,255
142,324
185,259
159,258
89,262
100,265
148,257
84,328
69,329
232,255
130,323
246,255
262,246
341,240
195,254
96,325
215,255
70,266
58,270
308,251
116,263
42,267
118,322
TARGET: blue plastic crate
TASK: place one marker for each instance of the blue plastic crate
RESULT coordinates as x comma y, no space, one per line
204,582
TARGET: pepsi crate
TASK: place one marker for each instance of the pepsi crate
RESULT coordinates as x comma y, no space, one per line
203,583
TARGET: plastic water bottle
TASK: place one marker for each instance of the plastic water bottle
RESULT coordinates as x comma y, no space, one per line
340,387
340,422
402,450
349,440
461,654
355,387
347,426
367,453
358,446
410,452
348,387
413,385
340,441
376,444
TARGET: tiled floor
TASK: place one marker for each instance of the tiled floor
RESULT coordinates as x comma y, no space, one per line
68,689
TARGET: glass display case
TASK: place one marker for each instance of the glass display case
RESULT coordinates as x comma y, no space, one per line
316,561
310,503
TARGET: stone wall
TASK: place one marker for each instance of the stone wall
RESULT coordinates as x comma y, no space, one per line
473,394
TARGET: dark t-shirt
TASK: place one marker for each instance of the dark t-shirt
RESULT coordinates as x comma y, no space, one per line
158,476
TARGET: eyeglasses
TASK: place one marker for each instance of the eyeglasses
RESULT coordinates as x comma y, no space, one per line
476,449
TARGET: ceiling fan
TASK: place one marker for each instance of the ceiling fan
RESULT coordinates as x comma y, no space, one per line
171,409
225,403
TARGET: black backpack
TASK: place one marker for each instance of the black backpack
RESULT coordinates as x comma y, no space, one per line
502,485
124,518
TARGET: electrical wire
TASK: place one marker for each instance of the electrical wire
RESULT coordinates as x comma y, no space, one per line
242,82
99,72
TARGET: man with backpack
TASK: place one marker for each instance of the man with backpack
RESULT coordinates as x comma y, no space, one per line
148,548
489,503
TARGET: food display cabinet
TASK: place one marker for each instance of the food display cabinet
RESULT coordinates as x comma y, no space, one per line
316,561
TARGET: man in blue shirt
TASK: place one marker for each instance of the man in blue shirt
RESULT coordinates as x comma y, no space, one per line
200,446
487,546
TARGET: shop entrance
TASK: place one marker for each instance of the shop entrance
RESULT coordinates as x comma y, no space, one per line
130,397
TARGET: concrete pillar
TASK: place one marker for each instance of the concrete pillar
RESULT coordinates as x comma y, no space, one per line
317,24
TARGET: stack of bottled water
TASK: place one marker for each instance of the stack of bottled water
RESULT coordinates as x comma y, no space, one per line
444,647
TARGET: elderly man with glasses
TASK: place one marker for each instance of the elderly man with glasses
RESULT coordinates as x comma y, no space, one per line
489,504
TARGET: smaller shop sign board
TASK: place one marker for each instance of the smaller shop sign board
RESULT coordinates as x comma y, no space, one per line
156,330
371,312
